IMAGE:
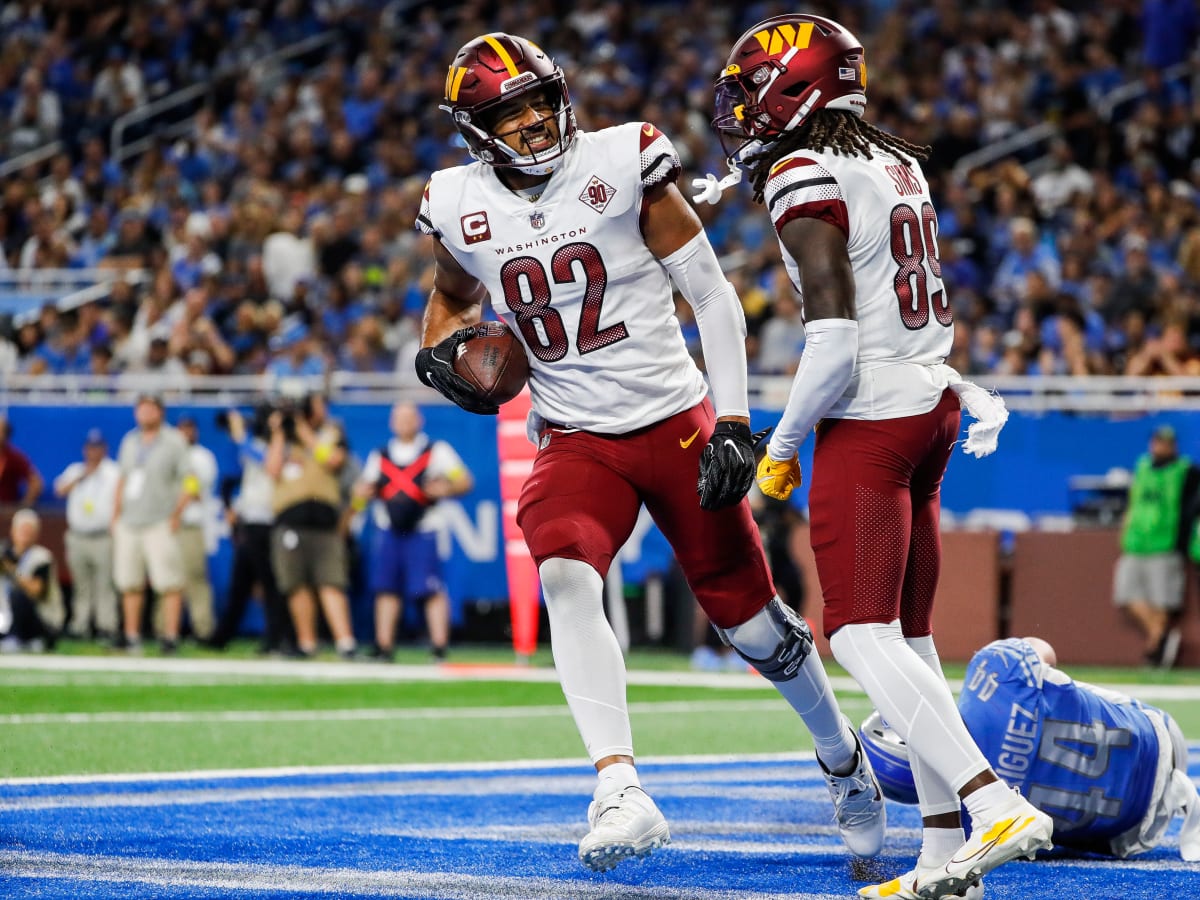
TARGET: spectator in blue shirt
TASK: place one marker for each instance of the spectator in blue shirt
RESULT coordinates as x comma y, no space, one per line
96,241
343,308
294,354
196,262
1027,254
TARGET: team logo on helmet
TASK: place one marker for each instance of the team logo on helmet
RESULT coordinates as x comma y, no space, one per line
784,36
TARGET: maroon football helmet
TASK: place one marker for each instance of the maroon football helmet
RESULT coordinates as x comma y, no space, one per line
490,71
779,72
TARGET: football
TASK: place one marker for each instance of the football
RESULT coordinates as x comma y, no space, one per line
493,362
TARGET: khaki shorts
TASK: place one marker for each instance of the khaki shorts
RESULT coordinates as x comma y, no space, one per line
307,557
1158,579
149,549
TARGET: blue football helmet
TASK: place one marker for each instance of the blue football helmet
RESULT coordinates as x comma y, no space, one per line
889,758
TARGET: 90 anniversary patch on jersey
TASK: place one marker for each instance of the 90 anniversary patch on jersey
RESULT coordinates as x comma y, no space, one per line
598,193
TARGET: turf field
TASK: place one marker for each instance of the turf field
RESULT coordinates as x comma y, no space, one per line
209,776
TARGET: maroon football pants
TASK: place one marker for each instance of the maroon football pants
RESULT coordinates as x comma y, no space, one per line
875,506
582,499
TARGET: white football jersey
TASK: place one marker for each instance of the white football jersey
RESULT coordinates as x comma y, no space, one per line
571,275
905,325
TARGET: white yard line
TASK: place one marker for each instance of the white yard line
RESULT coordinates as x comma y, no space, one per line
799,790
175,873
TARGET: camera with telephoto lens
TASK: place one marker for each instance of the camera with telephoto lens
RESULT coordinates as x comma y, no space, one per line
257,423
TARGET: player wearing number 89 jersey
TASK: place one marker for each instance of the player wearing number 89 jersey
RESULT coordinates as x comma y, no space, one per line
905,324
858,233
572,236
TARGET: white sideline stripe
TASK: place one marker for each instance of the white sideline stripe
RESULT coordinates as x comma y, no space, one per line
312,880
670,707
308,670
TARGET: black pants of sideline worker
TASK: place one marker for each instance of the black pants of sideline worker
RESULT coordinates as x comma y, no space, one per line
252,566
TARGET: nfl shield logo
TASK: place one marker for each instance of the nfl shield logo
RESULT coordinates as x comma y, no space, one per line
537,219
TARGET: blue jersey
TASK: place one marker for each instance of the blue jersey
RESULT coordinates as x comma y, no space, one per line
1084,759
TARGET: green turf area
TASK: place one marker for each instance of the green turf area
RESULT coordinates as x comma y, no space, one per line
58,722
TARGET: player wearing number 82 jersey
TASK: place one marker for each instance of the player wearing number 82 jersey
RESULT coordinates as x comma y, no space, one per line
570,272
573,235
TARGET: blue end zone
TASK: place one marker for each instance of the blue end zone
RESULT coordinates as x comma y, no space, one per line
742,829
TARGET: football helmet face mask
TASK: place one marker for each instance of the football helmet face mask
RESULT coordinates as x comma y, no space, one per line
499,75
778,73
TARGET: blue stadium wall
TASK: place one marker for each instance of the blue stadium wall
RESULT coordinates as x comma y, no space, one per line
1027,479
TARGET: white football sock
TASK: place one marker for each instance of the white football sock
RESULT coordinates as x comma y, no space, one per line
934,796
991,802
911,699
590,667
615,777
939,844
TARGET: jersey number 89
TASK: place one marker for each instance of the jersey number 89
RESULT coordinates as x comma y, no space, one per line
913,243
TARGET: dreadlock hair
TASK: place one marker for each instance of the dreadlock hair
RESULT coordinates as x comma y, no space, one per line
838,130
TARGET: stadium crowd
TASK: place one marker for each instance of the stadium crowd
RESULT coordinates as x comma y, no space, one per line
275,234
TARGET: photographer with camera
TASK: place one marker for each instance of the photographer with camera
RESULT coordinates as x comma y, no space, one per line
31,603
307,550
251,517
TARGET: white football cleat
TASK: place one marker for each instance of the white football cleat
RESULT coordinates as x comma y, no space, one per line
905,887
858,805
624,824
1022,832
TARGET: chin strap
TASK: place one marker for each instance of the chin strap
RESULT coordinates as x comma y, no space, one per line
709,188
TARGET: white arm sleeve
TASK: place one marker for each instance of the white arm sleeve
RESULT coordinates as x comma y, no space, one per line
826,366
697,274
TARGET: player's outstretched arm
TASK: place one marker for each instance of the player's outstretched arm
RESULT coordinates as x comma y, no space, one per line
454,307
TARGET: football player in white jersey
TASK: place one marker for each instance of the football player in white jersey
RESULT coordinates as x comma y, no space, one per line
858,231
575,238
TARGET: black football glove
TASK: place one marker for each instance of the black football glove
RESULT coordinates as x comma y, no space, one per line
435,367
727,465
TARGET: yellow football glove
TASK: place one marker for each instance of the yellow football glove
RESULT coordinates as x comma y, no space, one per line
776,479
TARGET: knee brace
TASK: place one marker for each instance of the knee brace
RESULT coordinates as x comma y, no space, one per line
776,641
